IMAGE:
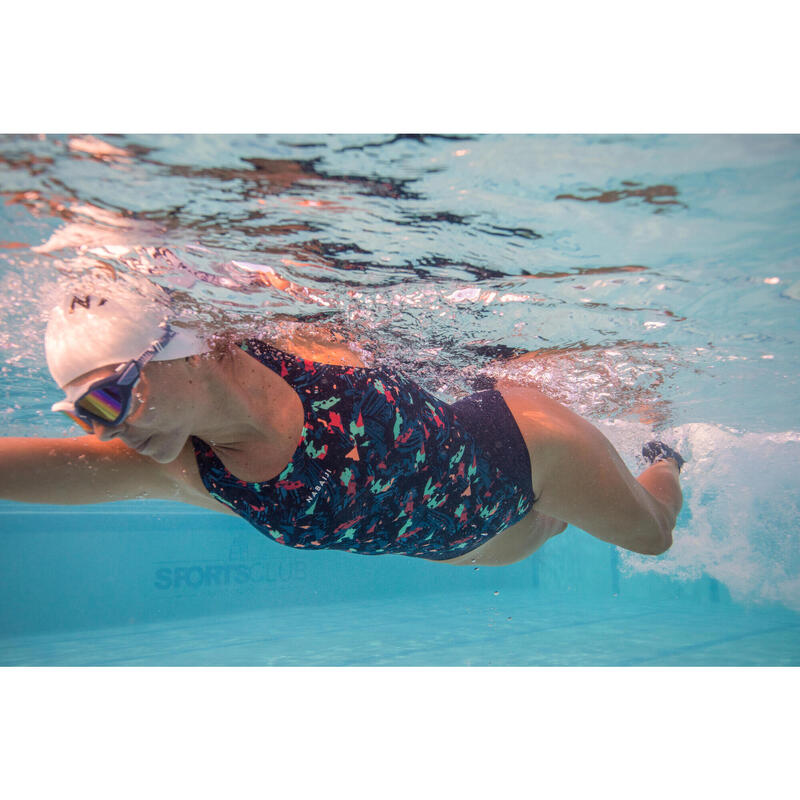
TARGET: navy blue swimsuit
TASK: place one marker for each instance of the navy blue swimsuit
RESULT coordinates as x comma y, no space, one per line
383,466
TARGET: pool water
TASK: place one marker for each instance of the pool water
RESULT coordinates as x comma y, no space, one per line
658,277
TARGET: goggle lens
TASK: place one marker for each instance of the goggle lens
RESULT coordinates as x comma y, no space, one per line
105,402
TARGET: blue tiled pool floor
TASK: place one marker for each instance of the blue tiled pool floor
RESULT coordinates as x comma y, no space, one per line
441,630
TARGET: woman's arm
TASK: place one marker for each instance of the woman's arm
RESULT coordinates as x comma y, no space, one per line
320,348
84,470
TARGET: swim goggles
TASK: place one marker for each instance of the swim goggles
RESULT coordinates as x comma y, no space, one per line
108,401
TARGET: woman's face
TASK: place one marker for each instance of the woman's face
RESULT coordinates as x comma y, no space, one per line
162,406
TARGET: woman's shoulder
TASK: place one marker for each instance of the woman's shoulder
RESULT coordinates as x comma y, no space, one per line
317,347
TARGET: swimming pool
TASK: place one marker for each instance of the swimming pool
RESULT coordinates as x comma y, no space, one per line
658,275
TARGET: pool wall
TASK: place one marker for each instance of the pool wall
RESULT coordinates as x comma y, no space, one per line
67,568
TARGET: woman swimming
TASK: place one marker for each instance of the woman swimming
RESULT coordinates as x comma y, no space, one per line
318,451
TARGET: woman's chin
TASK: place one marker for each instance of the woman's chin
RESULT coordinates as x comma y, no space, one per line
161,452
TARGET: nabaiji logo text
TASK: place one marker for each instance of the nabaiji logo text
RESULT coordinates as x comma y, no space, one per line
195,576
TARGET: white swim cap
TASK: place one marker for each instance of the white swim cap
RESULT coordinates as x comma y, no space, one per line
107,323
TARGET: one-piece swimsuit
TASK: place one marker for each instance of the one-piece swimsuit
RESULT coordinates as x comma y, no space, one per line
382,466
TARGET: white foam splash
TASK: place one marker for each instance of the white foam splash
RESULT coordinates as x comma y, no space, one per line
742,494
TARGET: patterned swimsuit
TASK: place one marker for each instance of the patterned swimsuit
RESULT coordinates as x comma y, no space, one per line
382,466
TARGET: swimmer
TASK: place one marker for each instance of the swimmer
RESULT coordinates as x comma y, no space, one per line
318,451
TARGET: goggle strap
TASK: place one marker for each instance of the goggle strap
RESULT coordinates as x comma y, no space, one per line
156,347
129,376
131,373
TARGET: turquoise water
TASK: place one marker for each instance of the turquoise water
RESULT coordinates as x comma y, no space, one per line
660,276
